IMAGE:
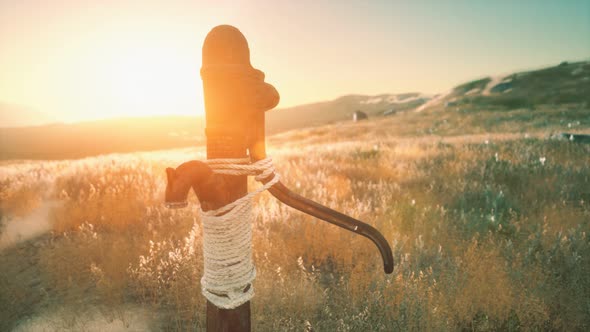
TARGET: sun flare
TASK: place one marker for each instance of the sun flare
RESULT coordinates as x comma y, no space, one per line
153,84
146,78
133,69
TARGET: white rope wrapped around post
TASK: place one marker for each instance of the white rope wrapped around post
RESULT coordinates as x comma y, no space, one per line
227,237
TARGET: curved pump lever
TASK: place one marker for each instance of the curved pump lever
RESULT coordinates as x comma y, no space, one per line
257,151
209,187
283,194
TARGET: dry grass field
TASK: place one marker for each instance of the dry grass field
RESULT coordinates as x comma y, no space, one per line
487,218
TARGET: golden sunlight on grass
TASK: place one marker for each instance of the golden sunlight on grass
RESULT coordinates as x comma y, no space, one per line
485,236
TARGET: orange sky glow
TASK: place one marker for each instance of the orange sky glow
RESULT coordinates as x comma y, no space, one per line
80,60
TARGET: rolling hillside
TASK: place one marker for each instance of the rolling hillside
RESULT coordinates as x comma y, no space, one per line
567,83
341,109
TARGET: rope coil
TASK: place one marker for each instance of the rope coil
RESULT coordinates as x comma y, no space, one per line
227,237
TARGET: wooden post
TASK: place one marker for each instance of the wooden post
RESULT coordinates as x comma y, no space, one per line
218,319
235,99
225,145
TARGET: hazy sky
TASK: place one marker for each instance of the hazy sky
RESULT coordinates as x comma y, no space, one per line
81,59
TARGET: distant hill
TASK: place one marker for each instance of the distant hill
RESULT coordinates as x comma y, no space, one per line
64,141
12,115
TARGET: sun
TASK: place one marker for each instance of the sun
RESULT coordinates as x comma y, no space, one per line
150,80
149,77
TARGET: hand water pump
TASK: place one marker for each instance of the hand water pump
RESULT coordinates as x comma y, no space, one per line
236,99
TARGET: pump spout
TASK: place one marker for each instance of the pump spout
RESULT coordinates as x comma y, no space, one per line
208,186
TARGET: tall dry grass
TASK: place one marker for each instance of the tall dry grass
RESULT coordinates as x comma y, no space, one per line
488,232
